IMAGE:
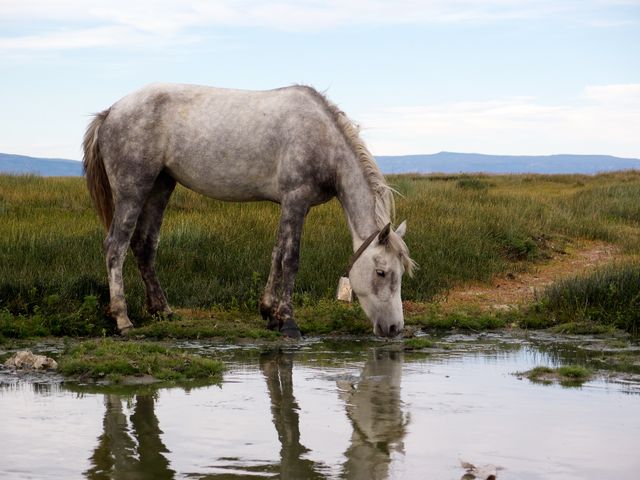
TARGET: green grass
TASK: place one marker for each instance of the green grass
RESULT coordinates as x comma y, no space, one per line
322,318
537,372
472,320
604,299
567,375
115,359
582,328
215,323
49,316
418,343
216,255
574,372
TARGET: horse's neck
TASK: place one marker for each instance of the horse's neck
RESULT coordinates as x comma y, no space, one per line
357,200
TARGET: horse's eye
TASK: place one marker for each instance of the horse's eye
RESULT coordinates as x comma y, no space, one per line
380,273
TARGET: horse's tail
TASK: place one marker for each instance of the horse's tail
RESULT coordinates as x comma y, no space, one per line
93,167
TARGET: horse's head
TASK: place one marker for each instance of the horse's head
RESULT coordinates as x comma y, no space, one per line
376,278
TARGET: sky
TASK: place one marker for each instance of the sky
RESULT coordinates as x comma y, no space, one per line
521,77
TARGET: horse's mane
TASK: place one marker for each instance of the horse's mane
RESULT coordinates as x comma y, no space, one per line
384,203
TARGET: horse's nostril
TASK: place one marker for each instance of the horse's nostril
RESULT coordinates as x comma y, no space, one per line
393,330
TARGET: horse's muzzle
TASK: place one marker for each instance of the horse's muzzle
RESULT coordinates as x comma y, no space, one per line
387,330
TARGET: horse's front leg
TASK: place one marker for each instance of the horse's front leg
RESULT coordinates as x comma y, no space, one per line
284,268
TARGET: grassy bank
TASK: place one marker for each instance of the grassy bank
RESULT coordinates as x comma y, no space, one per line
116,360
215,256
606,297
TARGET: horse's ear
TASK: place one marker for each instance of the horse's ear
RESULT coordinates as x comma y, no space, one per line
402,229
383,236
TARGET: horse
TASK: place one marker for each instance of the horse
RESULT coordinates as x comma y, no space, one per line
289,145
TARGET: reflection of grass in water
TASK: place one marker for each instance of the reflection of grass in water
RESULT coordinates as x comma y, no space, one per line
628,362
115,359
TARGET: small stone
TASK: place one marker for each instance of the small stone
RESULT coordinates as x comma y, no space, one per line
409,331
484,472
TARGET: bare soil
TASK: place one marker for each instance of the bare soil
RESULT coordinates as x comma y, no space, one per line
512,289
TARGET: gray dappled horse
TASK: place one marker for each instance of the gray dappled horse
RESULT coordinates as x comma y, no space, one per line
290,145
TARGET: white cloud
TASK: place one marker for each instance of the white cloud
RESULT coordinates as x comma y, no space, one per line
605,120
66,39
173,17
626,94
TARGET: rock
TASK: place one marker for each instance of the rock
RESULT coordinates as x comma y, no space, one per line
26,359
484,472
409,331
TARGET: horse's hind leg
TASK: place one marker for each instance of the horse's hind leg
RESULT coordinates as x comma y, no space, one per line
126,212
286,260
144,242
269,299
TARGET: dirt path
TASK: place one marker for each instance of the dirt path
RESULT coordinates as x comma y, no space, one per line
513,289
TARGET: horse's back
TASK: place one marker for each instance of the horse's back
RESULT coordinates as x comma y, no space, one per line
228,144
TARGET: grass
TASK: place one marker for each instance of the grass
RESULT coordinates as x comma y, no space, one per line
537,372
215,256
49,316
574,372
604,299
418,343
325,317
463,317
116,359
567,375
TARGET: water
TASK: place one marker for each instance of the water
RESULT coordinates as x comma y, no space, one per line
329,410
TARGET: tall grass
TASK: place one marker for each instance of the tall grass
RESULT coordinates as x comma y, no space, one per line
460,228
608,295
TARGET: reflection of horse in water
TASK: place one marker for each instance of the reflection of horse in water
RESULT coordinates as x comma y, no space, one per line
130,451
373,407
277,368
131,447
375,410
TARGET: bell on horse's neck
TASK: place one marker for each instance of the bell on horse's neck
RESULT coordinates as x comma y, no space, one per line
344,293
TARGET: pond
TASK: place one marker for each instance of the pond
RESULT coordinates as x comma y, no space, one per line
331,409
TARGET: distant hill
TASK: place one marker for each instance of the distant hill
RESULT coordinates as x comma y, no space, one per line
47,167
450,162
443,162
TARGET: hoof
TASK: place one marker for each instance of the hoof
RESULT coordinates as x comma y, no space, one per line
273,324
269,315
272,320
126,331
291,331
164,316
162,311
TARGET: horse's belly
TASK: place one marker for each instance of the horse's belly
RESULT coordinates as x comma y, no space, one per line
226,181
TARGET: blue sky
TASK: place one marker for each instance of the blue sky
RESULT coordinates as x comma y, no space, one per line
490,76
